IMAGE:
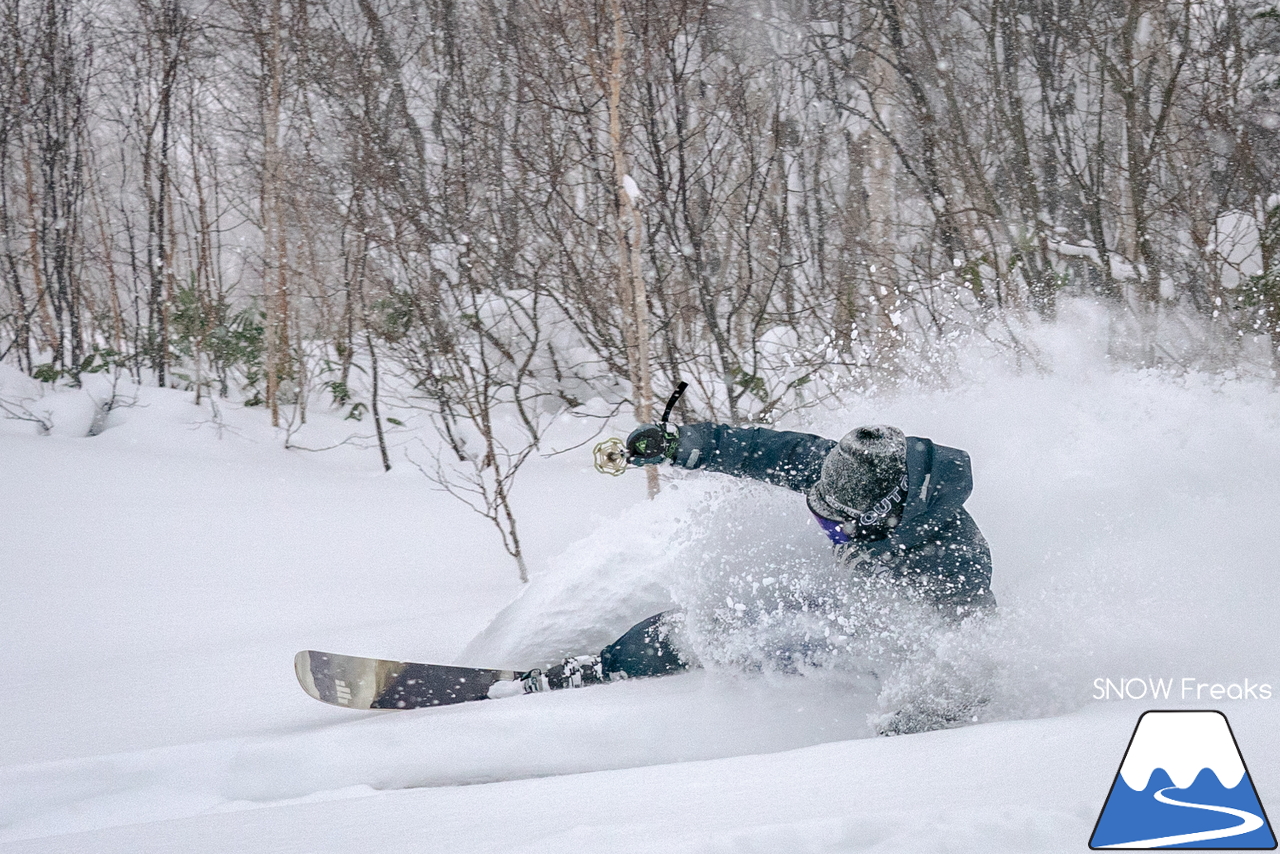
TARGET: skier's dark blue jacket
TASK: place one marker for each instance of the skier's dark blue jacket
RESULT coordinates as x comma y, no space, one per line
936,547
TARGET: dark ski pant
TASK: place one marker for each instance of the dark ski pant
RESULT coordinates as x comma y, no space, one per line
645,650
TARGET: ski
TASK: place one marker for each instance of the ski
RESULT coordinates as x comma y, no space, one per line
354,682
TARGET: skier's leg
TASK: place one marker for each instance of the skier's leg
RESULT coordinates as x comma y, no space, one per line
646,649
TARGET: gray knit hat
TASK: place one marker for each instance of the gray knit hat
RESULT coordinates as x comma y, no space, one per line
867,464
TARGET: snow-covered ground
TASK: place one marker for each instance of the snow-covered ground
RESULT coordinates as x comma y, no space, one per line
158,578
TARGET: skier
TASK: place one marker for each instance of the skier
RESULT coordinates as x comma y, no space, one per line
892,506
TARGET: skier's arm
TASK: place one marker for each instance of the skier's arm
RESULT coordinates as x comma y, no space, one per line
780,457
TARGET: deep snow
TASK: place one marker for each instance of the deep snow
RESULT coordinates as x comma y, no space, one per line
158,578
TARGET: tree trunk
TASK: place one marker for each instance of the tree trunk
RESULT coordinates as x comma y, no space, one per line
275,282
632,292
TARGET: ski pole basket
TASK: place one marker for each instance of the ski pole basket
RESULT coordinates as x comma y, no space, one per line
611,457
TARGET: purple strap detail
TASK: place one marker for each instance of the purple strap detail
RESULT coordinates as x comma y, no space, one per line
832,529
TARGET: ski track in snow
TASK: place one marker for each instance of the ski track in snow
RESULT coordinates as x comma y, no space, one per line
160,577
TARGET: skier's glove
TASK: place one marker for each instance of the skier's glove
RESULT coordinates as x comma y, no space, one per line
650,444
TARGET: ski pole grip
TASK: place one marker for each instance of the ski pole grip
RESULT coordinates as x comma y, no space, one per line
671,401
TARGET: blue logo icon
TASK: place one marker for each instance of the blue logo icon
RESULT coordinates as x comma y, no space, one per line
1183,784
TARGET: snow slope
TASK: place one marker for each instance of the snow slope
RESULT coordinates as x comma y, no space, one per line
158,577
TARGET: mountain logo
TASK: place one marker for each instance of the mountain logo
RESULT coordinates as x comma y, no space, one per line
1182,784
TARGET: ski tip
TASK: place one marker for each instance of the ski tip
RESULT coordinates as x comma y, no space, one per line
302,669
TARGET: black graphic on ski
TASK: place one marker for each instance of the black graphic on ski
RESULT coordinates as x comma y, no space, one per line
374,683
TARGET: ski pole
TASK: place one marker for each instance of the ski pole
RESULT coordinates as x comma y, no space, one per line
611,454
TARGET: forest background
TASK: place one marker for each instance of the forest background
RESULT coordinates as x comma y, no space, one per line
500,212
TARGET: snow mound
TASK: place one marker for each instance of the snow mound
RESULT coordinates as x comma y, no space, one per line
599,586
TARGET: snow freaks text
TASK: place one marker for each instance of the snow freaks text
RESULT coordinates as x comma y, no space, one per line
1186,688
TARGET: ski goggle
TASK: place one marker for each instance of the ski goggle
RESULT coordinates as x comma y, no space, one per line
834,530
